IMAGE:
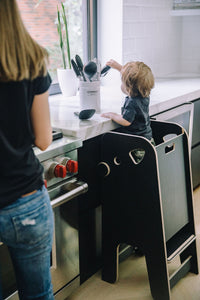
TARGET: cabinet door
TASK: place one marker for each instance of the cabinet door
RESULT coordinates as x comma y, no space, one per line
195,162
196,123
182,115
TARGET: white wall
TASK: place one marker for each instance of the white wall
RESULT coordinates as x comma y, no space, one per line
145,30
110,35
190,50
150,34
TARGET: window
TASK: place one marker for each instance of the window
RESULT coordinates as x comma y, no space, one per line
40,18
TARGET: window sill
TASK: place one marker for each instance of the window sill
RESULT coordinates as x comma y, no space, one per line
54,89
185,12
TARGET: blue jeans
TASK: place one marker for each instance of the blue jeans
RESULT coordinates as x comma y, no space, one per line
26,227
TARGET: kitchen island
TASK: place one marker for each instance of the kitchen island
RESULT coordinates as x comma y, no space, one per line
167,93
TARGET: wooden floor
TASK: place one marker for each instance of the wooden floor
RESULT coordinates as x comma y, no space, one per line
133,280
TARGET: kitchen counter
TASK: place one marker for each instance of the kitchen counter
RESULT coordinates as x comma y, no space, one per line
59,146
167,93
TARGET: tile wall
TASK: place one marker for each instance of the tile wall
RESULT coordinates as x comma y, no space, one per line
190,47
145,30
169,44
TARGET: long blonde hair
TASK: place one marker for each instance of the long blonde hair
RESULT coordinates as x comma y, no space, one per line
138,79
20,56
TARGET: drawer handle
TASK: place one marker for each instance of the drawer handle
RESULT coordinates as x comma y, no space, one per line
169,148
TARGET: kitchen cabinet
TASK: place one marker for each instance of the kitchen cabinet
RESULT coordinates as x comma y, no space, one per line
185,8
192,126
182,115
185,12
195,163
195,153
196,123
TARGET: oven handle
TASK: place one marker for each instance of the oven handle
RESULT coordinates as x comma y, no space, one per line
81,189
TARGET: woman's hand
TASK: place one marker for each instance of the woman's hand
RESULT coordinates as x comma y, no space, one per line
114,64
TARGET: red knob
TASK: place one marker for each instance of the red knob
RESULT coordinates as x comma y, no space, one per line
72,166
60,171
45,183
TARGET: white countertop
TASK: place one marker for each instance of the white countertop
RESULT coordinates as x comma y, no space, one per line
167,93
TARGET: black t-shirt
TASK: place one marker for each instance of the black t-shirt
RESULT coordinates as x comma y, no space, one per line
20,170
136,111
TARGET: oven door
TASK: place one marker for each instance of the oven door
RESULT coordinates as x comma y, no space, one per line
65,249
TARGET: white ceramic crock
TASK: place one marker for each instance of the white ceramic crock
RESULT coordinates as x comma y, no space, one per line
67,81
89,93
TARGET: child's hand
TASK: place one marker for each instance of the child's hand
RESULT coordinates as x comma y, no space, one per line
114,64
116,118
106,115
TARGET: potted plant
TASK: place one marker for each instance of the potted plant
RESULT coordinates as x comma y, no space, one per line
66,77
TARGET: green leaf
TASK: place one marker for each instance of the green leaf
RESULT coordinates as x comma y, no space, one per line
67,35
59,28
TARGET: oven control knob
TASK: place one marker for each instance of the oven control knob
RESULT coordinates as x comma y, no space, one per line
60,171
72,166
45,183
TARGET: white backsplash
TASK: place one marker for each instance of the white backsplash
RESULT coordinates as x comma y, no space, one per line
190,50
168,44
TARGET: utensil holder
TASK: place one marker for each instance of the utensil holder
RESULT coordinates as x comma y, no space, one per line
89,93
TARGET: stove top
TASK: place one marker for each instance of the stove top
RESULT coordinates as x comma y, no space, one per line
56,134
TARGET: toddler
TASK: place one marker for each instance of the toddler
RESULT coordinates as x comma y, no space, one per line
137,81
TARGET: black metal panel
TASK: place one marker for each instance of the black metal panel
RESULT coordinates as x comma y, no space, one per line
89,206
195,162
196,123
7,275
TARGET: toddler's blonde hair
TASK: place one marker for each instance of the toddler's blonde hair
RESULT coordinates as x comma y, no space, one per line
137,78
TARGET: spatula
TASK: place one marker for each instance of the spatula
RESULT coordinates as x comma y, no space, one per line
85,114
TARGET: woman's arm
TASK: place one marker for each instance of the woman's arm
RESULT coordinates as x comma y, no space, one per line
116,118
40,117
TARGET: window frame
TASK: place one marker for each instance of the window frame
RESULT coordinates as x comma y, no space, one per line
89,36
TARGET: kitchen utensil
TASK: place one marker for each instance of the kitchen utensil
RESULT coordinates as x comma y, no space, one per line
97,61
76,69
90,69
80,66
105,70
85,114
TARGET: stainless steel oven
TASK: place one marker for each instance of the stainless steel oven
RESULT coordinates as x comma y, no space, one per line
60,162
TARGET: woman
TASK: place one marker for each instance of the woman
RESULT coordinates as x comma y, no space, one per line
26,218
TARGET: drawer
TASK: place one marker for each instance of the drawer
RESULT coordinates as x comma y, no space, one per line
195,162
